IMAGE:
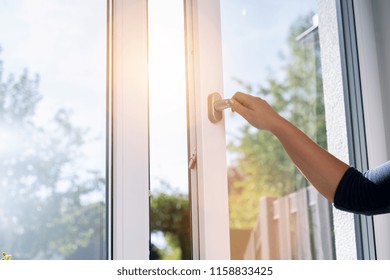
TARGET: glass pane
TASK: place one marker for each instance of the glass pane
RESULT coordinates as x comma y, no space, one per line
271,49
169,203
53,129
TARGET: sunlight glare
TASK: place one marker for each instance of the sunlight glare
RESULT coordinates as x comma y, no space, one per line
167,92
166,54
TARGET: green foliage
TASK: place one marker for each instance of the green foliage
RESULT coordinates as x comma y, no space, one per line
170,214
5,257
173,250
262,167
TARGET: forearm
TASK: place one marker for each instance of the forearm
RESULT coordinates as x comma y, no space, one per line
323,170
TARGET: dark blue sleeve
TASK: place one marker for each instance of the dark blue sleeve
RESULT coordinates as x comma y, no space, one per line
364,193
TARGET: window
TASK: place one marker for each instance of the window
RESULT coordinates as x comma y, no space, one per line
173,188
131,155
301,224
274,212
53,129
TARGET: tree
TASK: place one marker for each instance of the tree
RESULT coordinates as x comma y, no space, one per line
262,167
170,214
47,211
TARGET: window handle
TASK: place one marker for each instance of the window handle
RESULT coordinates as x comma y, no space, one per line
216,105
222,104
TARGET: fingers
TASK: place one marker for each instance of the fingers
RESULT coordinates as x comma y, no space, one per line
240,108
255,110
245,99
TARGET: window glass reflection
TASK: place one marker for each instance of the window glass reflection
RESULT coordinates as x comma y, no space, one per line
52,129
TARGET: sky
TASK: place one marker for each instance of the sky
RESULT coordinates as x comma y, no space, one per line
254,34
167,96
64,42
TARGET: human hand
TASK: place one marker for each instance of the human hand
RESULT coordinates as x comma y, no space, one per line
255,110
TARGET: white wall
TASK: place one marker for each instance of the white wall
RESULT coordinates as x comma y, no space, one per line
335,117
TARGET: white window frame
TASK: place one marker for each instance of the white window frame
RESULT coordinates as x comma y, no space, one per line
130,192
130,135
209,178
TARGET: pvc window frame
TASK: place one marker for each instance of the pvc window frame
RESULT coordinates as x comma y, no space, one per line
371,31
357,142
208,180
130,136
129,117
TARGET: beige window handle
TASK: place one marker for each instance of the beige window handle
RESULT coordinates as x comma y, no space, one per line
222,104
216,105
